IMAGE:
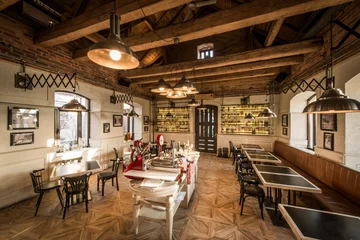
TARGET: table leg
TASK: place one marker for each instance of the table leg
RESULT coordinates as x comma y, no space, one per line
294,194
276,200
289,194
169,216
136,212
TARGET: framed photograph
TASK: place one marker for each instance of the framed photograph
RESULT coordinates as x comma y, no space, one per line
329,141
146,128
146,120
23,118
284,131
328,122
284,120
106,127
21,138
117,120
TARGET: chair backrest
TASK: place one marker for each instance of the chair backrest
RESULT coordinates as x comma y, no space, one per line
231,146
36,178
76,184
116,153
117,164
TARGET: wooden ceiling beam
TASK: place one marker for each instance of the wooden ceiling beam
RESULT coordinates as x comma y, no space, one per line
242,16
95,37
98,19
7,3
195,79
273,32
261,54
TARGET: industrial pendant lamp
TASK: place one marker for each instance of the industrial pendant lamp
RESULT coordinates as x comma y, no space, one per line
201,107
184,85
112,52
249,116
132,113
74,105
176,94
267,113
332,100
193,102
161,87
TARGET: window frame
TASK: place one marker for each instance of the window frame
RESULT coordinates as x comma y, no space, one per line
314,125
57,111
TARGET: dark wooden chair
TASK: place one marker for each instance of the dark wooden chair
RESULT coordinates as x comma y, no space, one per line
251,190
113,160
41,187
76,185
104,176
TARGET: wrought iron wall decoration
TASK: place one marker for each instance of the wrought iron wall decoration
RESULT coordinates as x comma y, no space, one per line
27,82
121,98
350,31
303,85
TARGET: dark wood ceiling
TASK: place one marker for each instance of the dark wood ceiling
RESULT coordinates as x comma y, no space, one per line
150,36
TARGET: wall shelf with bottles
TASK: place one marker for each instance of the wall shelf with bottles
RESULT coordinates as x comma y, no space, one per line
233,120
179,122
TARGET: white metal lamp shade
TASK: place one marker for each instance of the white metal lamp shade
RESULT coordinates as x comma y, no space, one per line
184,85
333,101
176,94
161,87
192,92
74,106
112,52
267,113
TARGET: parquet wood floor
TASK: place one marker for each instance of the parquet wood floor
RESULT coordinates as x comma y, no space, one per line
214,213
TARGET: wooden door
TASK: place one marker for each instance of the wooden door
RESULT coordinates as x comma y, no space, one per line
206,129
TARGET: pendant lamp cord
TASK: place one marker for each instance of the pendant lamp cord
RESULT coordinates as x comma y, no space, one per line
331,52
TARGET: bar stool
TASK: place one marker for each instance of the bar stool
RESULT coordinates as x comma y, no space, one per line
41,187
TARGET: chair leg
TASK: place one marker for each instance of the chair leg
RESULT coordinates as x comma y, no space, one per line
112,181
102,187
242,205
117,183
98,182
262,207
86,200
66,204
60,197
38,202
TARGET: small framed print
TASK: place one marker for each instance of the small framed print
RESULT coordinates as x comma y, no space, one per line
328,122
146,128
329,141
21,138
117,120
285,131
23,118
284,120
146,120
106,127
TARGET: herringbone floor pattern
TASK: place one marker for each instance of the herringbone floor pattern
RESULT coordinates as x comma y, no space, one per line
214,213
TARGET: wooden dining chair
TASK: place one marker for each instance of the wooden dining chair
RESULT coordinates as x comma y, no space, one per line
104,176
76,185
251,190
42,187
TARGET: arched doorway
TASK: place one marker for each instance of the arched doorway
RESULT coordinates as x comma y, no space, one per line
206,129
302,126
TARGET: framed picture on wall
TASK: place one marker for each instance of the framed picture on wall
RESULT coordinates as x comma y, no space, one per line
146,120
284,131
146,128
284,120
106,127
21,138
328,122
117,120
329,141
23,118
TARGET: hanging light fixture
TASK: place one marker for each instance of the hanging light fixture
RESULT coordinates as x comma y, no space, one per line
201,107
267,113
132,112
176,94
74,105
332,100
249,116
184,84
112,52
161,87
193,102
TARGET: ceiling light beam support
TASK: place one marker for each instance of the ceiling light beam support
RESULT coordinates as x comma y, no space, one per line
273,32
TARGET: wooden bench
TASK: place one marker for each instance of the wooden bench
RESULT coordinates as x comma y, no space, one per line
340,185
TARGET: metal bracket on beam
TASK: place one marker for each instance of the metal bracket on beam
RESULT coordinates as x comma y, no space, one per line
350,31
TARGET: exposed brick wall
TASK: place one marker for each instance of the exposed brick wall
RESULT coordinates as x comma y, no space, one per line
314,62
16,41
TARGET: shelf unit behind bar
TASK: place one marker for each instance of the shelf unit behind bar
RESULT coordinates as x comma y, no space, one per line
180,122
233,120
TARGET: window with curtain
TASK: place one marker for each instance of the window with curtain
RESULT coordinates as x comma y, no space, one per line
71,127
